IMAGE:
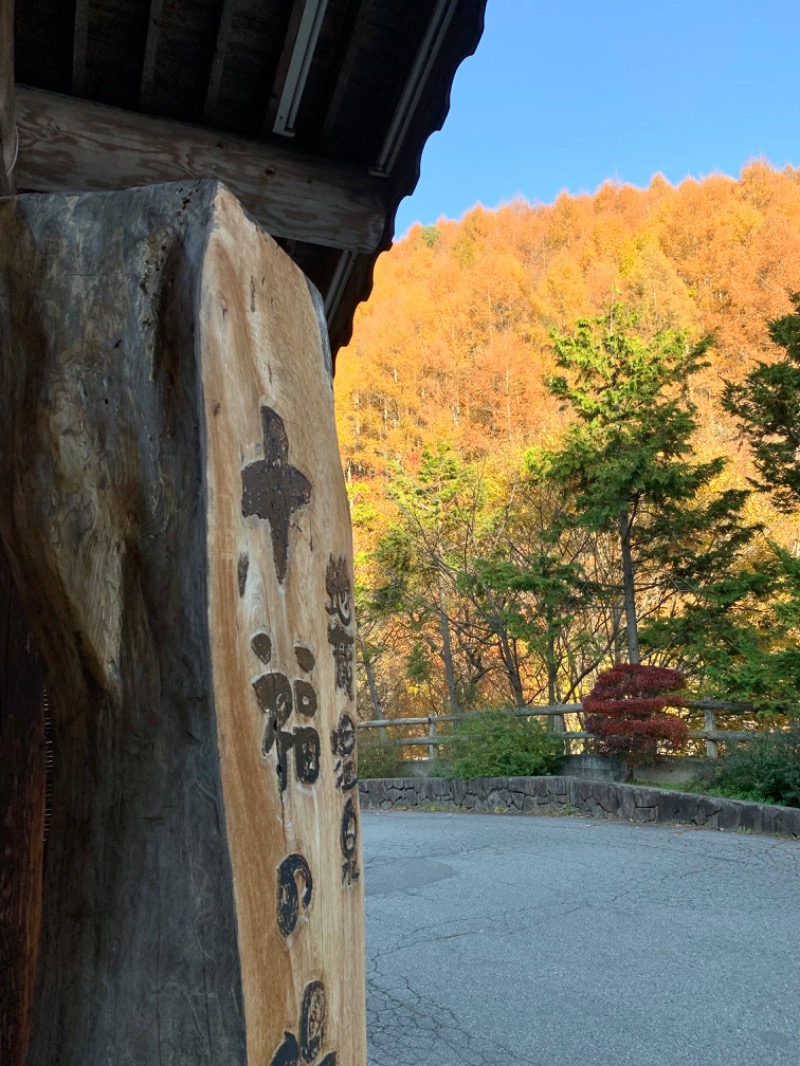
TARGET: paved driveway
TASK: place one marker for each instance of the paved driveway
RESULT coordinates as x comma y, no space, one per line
501,940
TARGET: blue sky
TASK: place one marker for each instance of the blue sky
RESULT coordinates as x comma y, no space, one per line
565,95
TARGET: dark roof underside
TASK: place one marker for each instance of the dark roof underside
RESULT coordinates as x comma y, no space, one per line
221,64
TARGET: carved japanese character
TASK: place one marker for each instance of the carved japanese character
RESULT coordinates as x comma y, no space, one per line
339,589
311,1032
305,698
273,489
262,646
342,645
306,755
305,658
349,842
278,698
289,899
343,744
274,696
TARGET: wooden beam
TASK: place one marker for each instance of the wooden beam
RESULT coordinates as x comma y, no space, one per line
218,62
8,135
80,47
74,145
345,71
146,90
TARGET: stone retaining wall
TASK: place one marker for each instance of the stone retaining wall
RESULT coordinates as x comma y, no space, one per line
604,799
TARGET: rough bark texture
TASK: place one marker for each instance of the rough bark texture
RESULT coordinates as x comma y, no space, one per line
22,802
8,136
375,695
447,649
174,512
629,589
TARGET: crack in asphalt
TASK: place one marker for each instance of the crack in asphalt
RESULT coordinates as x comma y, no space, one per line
403,1029
417,1021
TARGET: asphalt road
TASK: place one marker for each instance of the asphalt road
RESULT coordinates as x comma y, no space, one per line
495,940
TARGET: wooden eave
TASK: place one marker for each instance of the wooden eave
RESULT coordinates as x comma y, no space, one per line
116,93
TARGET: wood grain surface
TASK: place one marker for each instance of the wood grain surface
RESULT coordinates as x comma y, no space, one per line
260,339
171,496
71,145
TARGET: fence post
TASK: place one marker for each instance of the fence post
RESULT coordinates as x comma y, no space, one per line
432,748
710,725
558,725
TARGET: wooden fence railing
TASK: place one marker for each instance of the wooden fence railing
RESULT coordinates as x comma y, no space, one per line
432,740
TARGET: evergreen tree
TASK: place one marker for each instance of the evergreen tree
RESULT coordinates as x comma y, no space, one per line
767,407
627,462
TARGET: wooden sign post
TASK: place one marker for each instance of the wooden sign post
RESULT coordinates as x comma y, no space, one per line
174,514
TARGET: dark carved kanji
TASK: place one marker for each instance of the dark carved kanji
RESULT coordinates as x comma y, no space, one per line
278,699
305,658
343,745
289,898
273,489
337,585
349,843
312,1020
340,611
306,754
313,1016
305,698
262,646
341,643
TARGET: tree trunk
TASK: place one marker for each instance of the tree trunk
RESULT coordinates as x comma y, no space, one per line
629,589
447,649
512,669
507,650
172,504
375,696
556,722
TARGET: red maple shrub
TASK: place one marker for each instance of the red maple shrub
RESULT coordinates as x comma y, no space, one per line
625,711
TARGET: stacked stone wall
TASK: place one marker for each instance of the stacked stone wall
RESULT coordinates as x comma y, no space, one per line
570,795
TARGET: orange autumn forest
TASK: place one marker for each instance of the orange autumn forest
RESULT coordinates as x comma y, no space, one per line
479,462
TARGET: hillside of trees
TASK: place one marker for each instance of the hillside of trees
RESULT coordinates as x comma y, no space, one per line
549,420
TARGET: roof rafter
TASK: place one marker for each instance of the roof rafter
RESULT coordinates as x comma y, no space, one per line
80,47
345,72
146,91
218,62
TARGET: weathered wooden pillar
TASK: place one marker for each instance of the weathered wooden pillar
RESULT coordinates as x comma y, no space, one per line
9,138
22,817
173,509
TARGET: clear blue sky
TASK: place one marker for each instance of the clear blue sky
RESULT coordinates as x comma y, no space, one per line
564,95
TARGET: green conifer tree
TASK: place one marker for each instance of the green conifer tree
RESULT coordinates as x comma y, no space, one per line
767,407
626,462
